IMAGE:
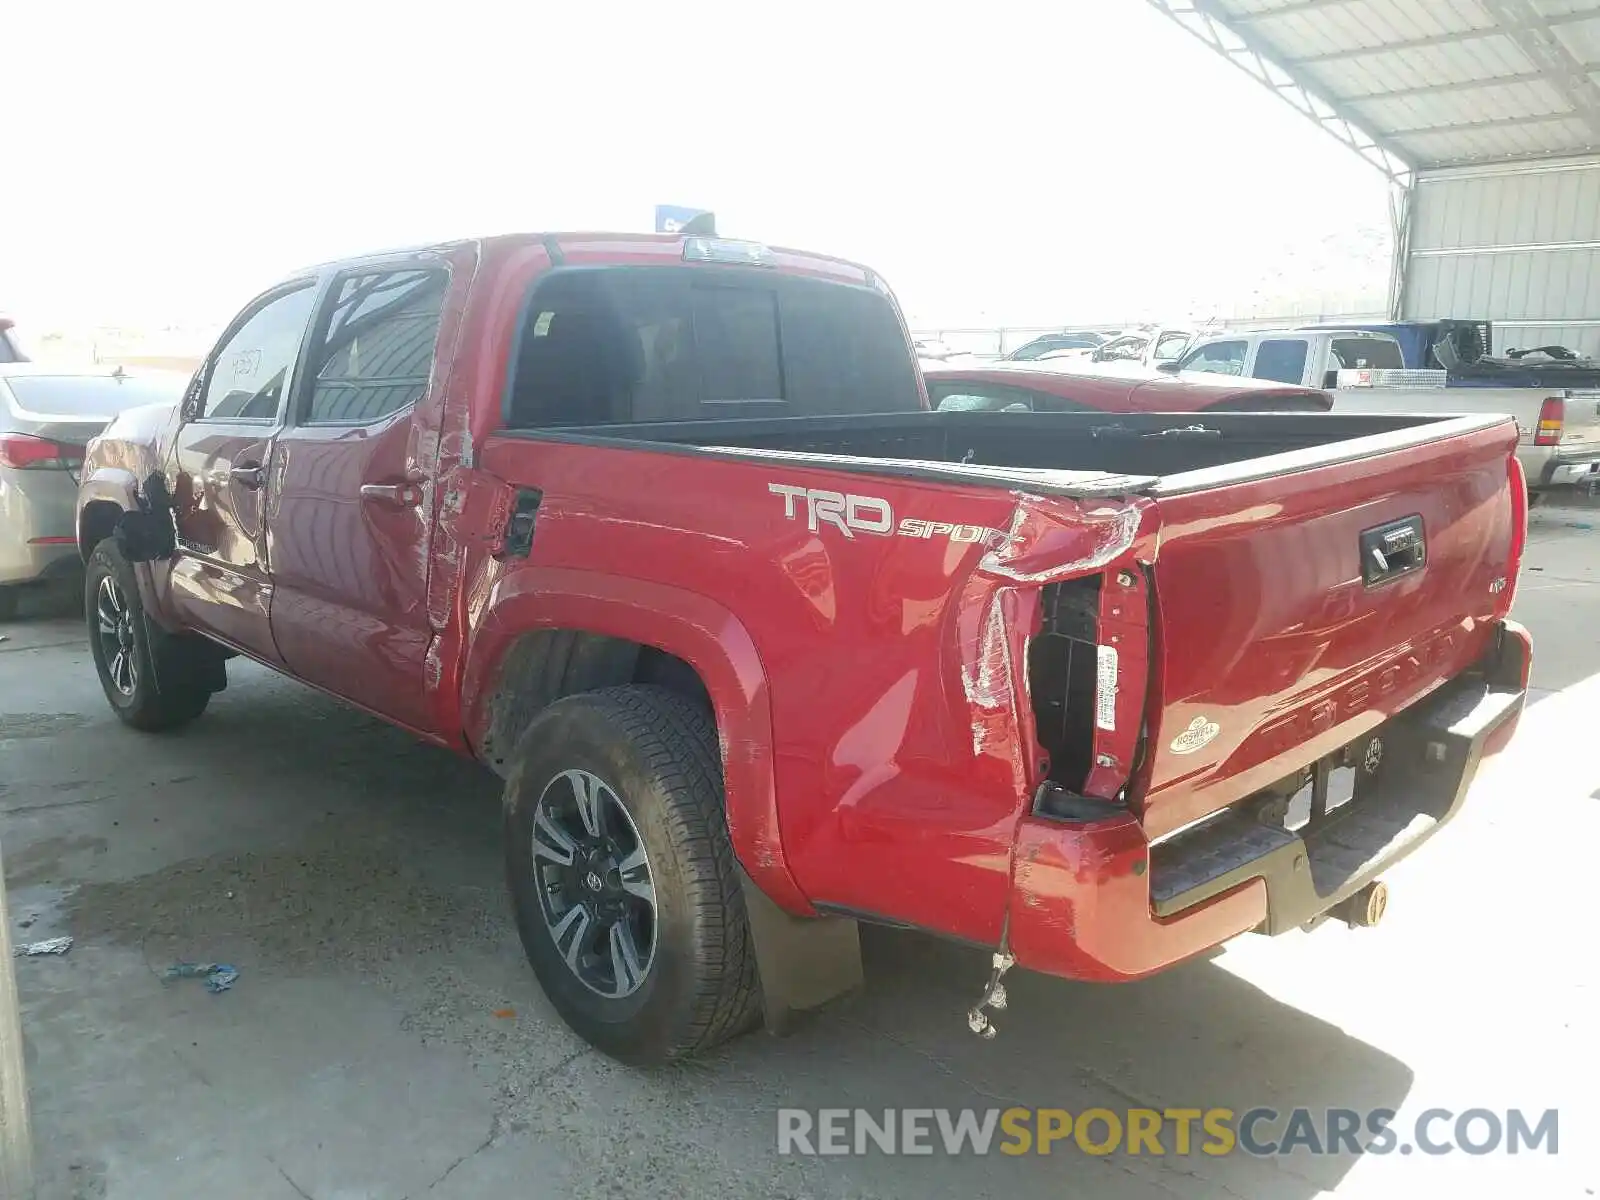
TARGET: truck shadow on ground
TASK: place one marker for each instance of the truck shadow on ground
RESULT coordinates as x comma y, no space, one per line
382,860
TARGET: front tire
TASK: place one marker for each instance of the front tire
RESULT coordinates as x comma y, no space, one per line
623,878
144,684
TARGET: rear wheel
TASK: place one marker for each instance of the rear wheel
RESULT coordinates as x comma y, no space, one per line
623,878
146,674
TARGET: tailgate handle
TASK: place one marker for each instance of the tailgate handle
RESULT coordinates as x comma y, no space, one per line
1392,550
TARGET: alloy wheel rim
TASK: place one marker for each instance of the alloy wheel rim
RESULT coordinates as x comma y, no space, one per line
596,889
115,631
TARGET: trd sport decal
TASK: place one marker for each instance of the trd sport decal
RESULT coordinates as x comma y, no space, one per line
851,514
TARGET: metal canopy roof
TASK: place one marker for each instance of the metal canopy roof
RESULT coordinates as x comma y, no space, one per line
1421,84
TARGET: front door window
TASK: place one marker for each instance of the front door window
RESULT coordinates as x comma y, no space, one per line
250,371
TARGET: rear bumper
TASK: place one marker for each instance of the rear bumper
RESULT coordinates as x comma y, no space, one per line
1547,467
36,509
32,562
1563,474
1094,900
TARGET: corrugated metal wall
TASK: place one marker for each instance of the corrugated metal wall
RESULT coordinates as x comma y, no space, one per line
1518,245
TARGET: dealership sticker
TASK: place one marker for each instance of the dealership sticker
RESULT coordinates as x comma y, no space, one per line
1201,732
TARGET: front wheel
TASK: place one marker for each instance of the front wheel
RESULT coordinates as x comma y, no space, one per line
620,868
145,684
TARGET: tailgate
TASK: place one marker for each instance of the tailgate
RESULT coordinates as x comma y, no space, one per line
1580,425
1295,612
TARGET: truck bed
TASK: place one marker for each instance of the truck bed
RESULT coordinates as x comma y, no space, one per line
1068,454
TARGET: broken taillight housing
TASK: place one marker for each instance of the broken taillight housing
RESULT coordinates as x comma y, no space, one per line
1552,415
1519,533
24,452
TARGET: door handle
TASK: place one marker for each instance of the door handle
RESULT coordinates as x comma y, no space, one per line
1392,550
250,475
407,495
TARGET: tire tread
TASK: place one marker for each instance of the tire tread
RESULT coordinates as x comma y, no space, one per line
678,740
673,743
160,704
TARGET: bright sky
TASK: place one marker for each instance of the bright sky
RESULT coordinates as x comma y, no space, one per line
998,162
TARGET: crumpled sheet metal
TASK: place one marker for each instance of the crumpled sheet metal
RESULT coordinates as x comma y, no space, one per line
1051,539
219,977
55,945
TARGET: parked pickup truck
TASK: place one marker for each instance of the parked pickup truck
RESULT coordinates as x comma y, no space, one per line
662,530
1558,427
1464,350
1041,387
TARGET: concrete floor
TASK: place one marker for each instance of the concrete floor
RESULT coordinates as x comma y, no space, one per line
386,1039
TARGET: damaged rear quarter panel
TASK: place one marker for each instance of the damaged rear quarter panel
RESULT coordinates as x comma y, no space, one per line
892,646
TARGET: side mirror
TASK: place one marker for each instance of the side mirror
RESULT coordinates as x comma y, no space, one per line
1171,366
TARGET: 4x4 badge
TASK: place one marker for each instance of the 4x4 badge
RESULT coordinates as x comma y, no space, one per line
1200,733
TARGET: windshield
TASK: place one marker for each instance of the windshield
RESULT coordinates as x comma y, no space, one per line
1170,346
1218,358
88,396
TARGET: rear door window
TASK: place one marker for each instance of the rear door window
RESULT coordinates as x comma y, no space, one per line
613,345
375,351
1281,359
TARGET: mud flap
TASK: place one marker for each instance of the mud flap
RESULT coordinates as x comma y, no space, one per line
185,662
804,962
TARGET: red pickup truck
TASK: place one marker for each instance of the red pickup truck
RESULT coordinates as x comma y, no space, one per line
664,531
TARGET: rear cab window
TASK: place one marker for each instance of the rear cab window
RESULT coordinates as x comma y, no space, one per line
1379,353
616,345
1382,354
